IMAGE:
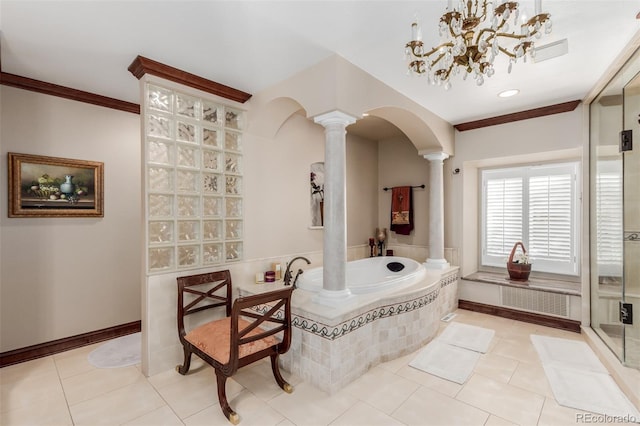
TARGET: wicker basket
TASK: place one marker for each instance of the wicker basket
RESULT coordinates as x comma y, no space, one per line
518,271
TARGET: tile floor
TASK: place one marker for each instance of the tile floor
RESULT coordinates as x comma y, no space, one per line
508,387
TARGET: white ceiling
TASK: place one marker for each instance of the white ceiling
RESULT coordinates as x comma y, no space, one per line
88,45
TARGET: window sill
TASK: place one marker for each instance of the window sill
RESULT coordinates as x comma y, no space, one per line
541,284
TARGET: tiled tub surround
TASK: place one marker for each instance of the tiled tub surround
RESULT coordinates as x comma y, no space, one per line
333,346
161,349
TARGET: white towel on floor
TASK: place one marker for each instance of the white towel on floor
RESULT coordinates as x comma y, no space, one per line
467,336
579,380
453,355
446,361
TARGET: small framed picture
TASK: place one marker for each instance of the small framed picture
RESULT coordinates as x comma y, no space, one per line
42,186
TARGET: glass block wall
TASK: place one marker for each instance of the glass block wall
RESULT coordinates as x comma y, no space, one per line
193,180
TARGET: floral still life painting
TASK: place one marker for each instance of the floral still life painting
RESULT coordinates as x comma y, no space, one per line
42,186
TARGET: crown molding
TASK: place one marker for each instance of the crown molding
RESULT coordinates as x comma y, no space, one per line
517,116
26,83
141,66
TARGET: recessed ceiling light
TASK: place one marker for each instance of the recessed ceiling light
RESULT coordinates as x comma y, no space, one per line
508,93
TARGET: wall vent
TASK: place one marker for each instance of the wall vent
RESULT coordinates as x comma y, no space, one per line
535,301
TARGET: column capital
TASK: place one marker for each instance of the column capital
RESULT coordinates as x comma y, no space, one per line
434,156
334,117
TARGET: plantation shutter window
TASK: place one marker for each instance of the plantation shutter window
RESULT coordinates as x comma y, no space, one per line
537,205
609,217
504,214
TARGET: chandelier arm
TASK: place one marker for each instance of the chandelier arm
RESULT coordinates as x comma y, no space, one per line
435,61
511,35
484,10
482,31
502,23
446,75
450,20
432,51
443,74
451,33
475,12
506,52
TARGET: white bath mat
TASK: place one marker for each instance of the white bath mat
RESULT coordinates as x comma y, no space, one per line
120,352
467,336
577,354
446,361
589,391
579,380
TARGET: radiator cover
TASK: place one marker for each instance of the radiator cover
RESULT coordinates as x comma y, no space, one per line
535,301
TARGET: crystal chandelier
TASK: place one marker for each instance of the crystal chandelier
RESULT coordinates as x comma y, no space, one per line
470,45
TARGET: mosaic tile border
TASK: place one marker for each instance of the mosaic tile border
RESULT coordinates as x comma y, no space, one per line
450,279
633,236
344,328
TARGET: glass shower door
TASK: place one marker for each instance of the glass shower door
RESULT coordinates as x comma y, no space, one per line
615,213
606,227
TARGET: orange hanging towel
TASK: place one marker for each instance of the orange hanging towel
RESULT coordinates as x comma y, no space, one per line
401,210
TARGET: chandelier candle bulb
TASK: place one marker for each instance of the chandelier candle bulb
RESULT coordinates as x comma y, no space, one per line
416,33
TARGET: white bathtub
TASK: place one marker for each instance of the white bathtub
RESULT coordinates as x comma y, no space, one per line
369,275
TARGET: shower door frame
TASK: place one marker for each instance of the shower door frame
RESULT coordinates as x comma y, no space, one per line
609,283
631,221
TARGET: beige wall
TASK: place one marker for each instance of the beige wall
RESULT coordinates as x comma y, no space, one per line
362,189
399,164
61,277
276,184
551,138
277,214
76,275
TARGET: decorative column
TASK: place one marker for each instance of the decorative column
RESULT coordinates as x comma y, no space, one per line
334,289
436,258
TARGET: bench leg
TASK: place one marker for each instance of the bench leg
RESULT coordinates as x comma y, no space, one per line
184,368
222,398
276,373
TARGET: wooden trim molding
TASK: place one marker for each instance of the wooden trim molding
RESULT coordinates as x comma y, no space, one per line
141,66
517,116
530,317
66,92
50,348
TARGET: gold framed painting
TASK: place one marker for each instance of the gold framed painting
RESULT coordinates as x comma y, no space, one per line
42,186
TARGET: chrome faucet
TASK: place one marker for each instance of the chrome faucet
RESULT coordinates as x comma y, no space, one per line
287,273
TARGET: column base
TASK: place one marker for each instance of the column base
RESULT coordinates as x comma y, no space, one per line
333,297
436,264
